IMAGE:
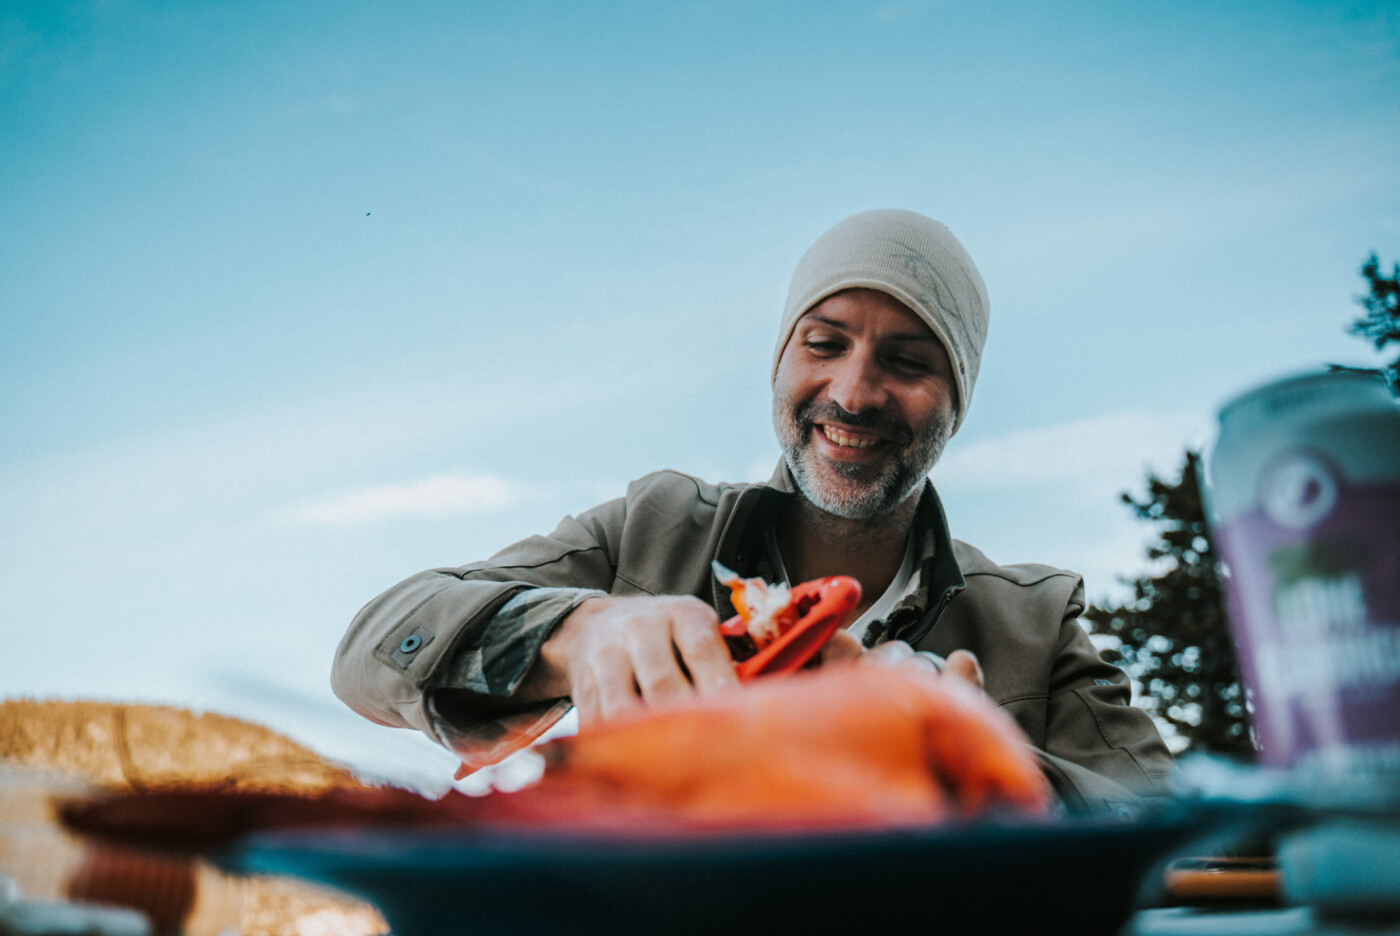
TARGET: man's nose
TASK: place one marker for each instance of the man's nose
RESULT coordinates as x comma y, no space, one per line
858,386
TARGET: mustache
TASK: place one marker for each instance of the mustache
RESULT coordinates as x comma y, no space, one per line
809,414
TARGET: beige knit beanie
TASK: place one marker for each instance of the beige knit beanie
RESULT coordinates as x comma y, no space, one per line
912,258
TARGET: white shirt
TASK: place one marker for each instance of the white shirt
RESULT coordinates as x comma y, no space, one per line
905,582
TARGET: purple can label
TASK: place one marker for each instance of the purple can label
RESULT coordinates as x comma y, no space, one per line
1313,579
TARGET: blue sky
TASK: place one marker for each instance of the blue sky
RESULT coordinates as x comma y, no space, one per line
298,299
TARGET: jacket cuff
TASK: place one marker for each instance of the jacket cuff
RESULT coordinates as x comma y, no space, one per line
498,665
483,742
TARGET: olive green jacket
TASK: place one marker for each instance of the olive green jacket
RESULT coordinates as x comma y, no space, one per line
437,653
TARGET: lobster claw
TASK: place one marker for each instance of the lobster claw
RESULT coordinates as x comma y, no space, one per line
824,605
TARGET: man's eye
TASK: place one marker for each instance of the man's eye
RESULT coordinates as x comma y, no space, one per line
911,364
823,345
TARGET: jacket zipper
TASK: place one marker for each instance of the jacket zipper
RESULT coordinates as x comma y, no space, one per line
921,629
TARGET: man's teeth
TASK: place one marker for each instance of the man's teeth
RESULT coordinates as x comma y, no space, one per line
845,441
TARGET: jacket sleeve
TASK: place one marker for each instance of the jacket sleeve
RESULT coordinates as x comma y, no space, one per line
445,624
1100,752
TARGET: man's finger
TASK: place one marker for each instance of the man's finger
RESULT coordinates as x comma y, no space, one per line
585,696
657,672
843,647
890,653
702,649
963,664
614,681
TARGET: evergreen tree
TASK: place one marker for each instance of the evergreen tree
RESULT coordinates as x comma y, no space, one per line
1173,636
1381,323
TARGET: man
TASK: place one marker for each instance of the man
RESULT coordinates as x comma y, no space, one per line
876,360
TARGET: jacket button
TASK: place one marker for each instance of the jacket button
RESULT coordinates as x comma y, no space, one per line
410,643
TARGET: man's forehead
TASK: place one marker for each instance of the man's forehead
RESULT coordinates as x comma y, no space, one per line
853,310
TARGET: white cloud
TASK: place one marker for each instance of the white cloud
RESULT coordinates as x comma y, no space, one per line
897,12
437,496
1096,456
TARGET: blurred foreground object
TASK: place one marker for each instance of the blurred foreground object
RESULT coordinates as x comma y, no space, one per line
842,799
52,750
51,870
139,746
20,916
1303,489
1345,869
840,748
1223,881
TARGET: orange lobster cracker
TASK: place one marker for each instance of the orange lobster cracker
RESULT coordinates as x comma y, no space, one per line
779,629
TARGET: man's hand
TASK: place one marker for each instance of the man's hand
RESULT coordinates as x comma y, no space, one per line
961,664
612,653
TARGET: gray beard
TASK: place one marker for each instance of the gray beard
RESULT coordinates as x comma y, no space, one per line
871,491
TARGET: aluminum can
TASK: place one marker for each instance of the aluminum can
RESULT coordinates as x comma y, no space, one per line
1303,491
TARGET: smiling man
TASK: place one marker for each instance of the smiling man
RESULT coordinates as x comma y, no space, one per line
877,355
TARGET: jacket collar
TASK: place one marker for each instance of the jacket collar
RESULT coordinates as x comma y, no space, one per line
743,540
782,479
944,576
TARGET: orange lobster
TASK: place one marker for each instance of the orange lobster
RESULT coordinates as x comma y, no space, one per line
844,746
